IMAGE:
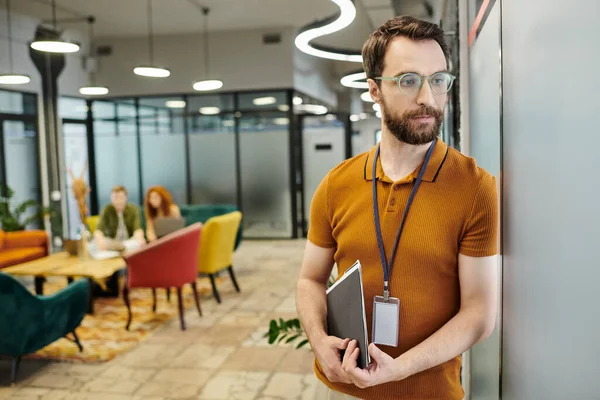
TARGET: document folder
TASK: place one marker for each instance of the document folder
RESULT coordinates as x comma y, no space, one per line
346,317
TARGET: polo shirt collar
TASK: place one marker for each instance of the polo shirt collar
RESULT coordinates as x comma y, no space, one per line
435,163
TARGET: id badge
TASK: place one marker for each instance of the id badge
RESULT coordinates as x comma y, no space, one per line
386,317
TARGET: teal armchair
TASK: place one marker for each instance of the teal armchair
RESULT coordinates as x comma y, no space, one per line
29,322
202,212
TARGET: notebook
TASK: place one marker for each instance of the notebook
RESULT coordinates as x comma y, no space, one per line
346,317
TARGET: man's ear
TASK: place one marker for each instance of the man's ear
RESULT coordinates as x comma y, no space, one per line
374,91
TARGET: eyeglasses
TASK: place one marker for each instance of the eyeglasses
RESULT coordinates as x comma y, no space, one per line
411,83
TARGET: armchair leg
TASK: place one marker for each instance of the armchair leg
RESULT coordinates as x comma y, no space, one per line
195,289
15,367
153,300
214,288
77,341
126,298
180,302
232,275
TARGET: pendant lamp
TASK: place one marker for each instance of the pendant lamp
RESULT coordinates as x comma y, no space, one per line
151,70
208,83
93,89
11,78
55,44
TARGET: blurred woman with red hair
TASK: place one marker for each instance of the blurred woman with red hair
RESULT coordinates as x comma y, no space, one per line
158,203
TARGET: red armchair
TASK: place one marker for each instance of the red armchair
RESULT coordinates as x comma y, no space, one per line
171,261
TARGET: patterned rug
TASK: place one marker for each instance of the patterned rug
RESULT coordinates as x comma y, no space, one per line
103,334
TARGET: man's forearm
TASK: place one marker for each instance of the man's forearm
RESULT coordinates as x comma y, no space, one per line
455,337
139,235
311,304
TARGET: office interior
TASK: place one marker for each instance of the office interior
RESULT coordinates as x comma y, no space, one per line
251,119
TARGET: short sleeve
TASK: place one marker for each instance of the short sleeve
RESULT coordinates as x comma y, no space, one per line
480,236
320,231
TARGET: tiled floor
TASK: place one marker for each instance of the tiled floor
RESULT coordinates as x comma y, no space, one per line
221,355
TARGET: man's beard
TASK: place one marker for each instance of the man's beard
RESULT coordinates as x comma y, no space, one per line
409,131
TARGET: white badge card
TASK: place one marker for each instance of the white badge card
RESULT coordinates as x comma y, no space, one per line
386,317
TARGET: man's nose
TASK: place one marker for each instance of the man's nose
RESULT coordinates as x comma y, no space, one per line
425,95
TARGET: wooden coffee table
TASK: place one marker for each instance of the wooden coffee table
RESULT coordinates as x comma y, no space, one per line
64,264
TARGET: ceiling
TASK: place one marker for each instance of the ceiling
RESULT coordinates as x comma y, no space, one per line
124,18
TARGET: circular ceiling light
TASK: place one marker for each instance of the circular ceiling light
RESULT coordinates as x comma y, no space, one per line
55,46
281,121
14,79
297,101
327,26
93,90
283,107
352,80
378,114
152,72
175,104
264,101
211,84
354,118
209,110
366,96
376,107
312,108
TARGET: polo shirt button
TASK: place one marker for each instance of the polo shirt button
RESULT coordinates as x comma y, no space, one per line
393,202
397,187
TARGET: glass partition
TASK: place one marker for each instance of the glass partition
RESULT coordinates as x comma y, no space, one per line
115,142
224,148
20,147
212,158
18,103
265,174
162,145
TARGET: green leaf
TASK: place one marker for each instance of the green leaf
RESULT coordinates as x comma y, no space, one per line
282,337
297,323
302,343
273,338
282,324
291,339
273,326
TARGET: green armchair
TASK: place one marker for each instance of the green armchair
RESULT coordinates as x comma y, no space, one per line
31,322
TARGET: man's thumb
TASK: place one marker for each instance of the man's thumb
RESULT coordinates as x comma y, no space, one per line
341,344
375,352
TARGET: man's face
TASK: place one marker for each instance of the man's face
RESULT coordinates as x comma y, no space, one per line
118,200
412,116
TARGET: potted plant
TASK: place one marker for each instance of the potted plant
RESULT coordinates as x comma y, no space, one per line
17,218
290,329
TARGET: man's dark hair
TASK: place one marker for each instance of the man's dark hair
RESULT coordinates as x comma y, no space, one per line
373,51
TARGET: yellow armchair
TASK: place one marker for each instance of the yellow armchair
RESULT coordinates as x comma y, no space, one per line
92,222
216,247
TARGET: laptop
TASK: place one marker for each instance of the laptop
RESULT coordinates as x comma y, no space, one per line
165,225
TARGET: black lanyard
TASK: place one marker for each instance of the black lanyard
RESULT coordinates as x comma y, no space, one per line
387,266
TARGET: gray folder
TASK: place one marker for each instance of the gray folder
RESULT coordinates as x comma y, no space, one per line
346,317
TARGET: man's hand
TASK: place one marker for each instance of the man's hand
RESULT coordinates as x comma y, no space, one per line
383,368
327,351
